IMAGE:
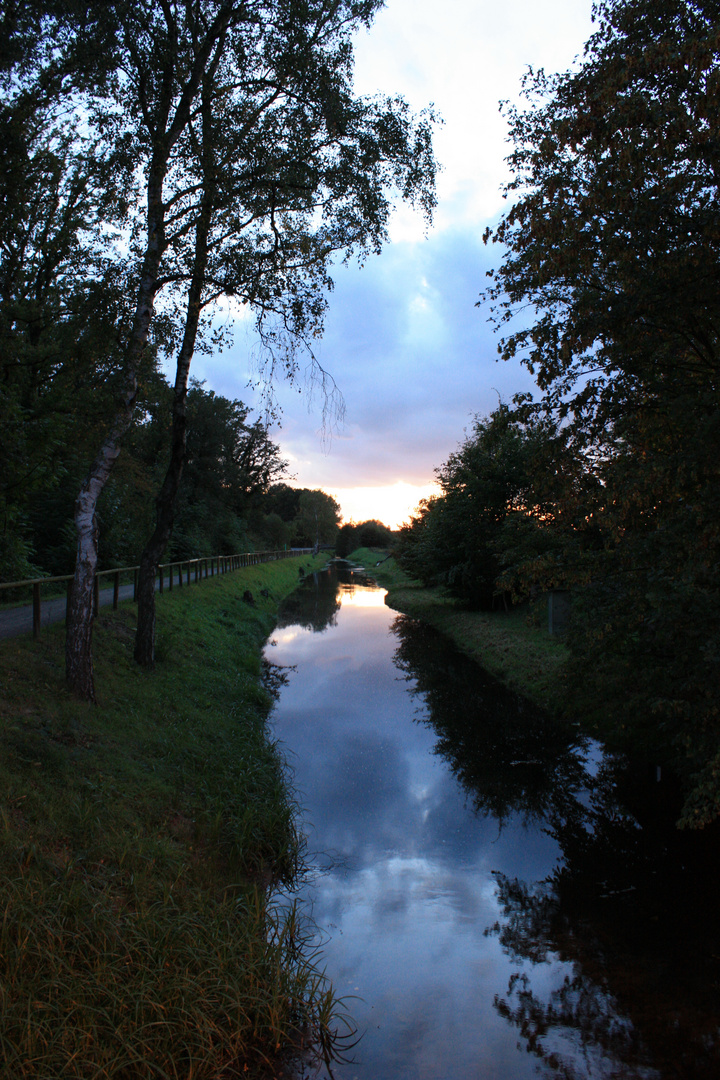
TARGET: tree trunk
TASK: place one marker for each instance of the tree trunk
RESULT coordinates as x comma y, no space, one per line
145,633
81,614
78,642
167,499
156,545
165,131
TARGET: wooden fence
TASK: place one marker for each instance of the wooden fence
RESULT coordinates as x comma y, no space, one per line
187,569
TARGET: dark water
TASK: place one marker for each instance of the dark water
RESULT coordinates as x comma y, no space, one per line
502,899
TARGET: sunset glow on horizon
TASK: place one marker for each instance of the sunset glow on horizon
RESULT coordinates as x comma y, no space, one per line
404,340
391,504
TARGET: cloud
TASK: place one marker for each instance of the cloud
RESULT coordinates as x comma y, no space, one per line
413,356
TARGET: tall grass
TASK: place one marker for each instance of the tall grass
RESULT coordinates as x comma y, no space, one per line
139,843
98,981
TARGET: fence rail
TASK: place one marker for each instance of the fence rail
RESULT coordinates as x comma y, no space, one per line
190,569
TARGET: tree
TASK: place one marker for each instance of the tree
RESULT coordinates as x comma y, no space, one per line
613,241
60,295
345,542
284,501
372,533
231,463
257,166
289,170
491,496
317,521
145,121
614,234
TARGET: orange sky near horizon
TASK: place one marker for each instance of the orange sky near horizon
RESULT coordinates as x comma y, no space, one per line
392,504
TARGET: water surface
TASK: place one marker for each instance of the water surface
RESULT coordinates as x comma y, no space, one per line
493,905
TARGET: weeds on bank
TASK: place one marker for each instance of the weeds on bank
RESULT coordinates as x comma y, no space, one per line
514,645
138,841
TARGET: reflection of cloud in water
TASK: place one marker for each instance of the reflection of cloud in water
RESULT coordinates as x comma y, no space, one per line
407,937
286,636
391,770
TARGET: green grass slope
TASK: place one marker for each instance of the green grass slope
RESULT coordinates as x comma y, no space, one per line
138,839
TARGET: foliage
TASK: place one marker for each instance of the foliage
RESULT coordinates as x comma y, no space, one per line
612,241
61,296
365,534
222,506
317,520
492,510
231,463
613,238
284,501
166,155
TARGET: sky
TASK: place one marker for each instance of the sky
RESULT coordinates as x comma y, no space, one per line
413,356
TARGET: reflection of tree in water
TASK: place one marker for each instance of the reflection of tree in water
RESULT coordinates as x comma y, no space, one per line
579,1030
632,909
275,676
509,756
314,605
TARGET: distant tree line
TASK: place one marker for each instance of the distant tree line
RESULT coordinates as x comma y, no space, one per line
232,497
607,482
366,534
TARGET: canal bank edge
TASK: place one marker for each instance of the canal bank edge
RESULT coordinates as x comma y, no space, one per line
514,646
136,841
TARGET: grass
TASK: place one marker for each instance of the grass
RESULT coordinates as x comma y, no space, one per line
139,840
514,646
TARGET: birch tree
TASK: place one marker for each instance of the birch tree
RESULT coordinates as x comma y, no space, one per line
284,169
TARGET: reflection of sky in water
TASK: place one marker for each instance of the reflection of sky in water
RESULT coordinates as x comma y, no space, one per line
410,891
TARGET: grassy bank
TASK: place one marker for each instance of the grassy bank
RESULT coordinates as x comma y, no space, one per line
137,842
513,646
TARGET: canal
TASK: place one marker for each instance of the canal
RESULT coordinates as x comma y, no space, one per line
496,897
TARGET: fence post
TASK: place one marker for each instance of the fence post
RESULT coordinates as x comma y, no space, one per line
170,578
197,571
36,610
188,572
116,589
162,575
